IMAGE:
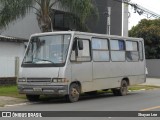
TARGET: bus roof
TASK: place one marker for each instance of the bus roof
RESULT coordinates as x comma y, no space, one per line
87,34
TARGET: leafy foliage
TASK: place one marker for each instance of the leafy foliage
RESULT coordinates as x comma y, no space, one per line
149,30
11,10
81,8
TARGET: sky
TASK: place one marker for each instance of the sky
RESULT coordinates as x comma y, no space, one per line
152,5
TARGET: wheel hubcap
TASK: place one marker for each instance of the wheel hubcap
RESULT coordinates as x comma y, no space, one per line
124,88
74,92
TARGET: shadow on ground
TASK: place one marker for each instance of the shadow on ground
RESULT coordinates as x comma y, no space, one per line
84,97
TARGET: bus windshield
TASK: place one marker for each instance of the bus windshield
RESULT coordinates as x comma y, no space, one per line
49,49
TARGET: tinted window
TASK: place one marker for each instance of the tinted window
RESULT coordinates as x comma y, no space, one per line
101,55
100,49
98,43
117,45
83,55
118,55
131,46
132,51
117,50
140,50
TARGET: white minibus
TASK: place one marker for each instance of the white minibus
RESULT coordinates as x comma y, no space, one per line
70,63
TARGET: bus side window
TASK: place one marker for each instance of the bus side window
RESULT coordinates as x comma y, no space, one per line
141,51
132,51
82,53
100,50
117,50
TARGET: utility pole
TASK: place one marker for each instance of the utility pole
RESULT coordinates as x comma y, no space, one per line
51,24
108,28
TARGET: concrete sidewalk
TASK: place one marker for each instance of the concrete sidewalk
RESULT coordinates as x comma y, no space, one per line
5,100
152,81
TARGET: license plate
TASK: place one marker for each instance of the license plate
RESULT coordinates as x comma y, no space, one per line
37,89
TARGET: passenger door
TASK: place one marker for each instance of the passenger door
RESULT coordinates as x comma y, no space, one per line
81,63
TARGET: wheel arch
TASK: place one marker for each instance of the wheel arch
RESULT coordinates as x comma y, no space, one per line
78,83
127,80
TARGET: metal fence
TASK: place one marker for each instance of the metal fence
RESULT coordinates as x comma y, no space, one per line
153,66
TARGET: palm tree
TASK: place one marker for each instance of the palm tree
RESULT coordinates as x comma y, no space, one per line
11,10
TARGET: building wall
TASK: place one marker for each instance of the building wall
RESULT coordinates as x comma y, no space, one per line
11,49
100,26
118,18
125,20
8,52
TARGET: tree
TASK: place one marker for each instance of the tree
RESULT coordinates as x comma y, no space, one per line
149,30
11,10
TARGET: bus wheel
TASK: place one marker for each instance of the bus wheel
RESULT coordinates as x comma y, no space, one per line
33,98
124,88
74,93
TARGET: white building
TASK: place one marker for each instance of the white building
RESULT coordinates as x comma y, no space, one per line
13,47
10,50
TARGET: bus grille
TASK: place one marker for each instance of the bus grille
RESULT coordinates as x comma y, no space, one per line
38,80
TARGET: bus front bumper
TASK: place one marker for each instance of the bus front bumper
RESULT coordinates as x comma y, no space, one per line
43,90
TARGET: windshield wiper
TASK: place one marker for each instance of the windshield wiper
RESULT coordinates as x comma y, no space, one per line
28,62
43,60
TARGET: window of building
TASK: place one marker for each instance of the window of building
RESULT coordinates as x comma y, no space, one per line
100,49
132,51
62,21
117,50
59,19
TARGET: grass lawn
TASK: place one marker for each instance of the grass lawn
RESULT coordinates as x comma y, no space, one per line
145,87
10,91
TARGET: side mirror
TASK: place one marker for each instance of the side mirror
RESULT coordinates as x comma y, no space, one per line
74,44
80,44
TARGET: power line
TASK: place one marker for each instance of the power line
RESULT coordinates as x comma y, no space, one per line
140,9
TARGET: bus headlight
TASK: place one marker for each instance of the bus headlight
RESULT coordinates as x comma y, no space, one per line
22,80
59,80
54,80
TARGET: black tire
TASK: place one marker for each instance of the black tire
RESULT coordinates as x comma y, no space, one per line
74,93
122,91
124,88
33,98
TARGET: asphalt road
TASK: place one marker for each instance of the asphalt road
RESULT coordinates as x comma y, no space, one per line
134,101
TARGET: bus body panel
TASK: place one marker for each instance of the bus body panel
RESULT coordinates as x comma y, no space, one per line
39,72
83,72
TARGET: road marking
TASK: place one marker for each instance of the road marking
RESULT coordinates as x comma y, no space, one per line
151,108
15,105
